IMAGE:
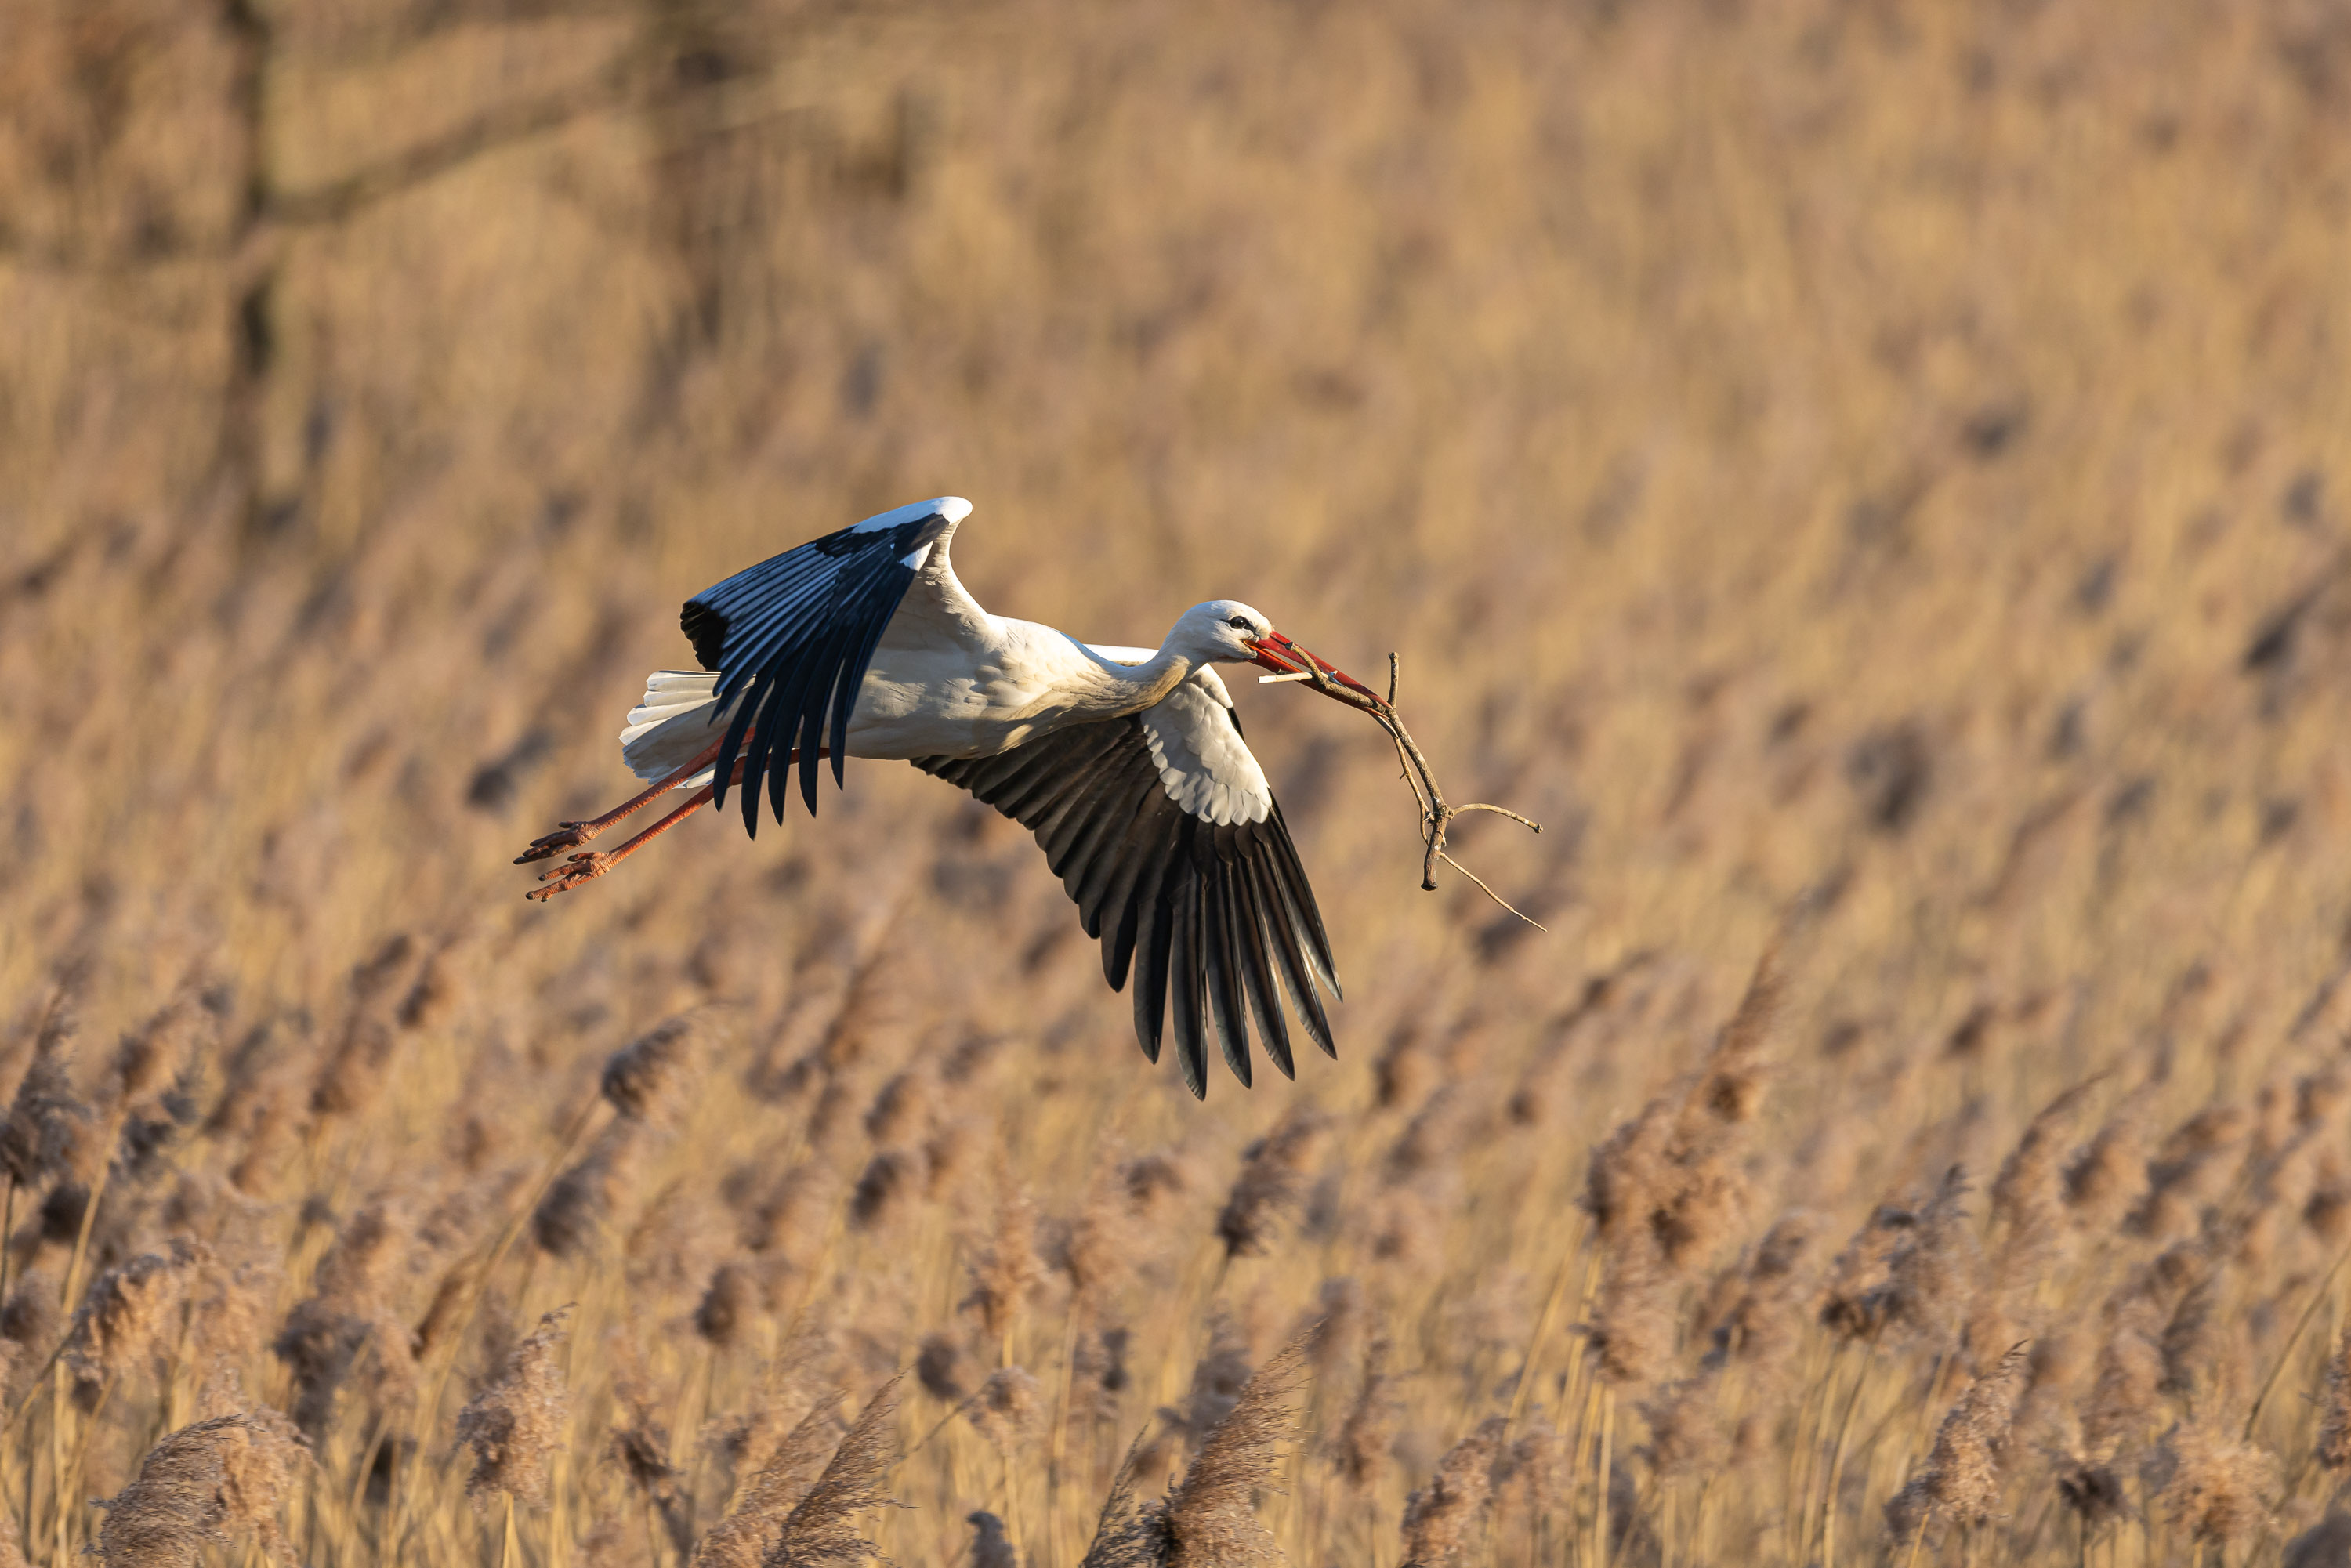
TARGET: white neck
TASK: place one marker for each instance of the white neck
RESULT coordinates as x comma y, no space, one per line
1122,689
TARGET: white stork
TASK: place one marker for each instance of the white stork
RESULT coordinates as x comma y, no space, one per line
1127,763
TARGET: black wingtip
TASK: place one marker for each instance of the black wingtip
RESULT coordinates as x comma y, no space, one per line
705,628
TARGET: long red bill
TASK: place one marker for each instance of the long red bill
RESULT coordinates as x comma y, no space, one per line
1285,657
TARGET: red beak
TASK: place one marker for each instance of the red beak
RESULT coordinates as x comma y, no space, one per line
1284,657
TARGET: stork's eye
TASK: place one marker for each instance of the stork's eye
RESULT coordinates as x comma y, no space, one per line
1239,622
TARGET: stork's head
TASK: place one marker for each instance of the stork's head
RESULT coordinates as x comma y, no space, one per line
1226,631
1222,630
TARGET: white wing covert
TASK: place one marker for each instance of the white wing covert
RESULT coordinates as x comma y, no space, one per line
1203,764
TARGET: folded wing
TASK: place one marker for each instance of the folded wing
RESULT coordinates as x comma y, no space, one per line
1163,830
797,631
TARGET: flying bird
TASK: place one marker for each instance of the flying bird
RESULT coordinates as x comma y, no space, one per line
1128,764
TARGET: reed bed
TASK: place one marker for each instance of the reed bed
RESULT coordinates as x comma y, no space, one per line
1870,479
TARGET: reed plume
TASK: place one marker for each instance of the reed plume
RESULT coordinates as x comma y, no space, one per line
48,1121
194,1488
640,1446
1667,1186
2029,1213
1443,1520
1272,1169
1218,1379
890,1178
2333,1447
2214,1485
990,1547
576,1212
1369,1426
1961,1481
514,1424
125,1313
349,1323
1211,1516
2326,1544
730,1303
746,1537
1009,1268
824,1527
650,1079
260,1457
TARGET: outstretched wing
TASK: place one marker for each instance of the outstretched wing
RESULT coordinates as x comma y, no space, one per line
797,630
1163,830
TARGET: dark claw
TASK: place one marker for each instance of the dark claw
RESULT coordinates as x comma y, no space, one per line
585,866
568,837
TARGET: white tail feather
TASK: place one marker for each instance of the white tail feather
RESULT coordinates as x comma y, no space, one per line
673,723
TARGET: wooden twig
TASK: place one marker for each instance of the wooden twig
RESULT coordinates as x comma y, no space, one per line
1435,814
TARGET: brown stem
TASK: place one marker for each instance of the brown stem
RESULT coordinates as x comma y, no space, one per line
1436,815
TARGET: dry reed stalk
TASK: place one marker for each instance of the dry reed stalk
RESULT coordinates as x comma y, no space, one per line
1604,1475
2321,1293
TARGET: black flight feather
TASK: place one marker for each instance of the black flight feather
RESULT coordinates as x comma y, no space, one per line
1212,924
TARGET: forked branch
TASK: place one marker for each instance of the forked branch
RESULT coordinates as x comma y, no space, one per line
1436,814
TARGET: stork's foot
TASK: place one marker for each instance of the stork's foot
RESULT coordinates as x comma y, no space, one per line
586,866
570,836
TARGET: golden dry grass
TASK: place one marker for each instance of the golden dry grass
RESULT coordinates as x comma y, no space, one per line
1874,478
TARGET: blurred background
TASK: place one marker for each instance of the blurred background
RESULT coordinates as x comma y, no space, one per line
1873,473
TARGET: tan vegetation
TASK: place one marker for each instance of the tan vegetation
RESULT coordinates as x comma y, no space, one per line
1874,479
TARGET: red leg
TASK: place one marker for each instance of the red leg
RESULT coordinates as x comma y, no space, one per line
573,834
589,864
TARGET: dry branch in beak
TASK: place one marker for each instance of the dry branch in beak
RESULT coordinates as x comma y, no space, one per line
1292,662
1288,661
